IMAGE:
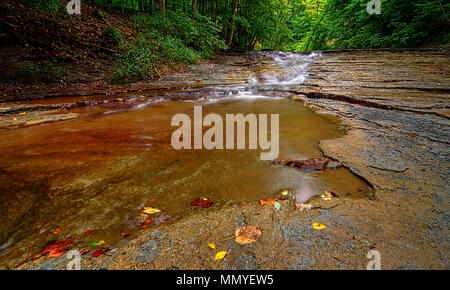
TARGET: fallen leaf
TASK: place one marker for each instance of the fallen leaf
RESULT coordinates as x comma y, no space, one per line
304,165
244,203
150,210
161,219
303,206
424,147
247,234
83,252
22,113
220,255
212,246
124,234
55,250
99,252
203,202
144,227
412,135
56,231
318,226
97,243
269,201
284,192
149,221
88,232
277,205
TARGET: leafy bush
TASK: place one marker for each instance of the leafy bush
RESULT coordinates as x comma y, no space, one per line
48,6
136,62
112,35
29,69
48,70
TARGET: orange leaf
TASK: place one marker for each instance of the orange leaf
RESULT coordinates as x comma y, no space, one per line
269,201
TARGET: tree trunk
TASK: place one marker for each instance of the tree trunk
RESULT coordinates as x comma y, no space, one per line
194,10
162,7
233,15
213,11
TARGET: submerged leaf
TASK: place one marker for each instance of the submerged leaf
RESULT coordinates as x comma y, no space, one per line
203,202
97,243
150,210
161,219
88,232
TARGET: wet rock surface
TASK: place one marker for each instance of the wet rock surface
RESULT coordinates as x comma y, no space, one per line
406,221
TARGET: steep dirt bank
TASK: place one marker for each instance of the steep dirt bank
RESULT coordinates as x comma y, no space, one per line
403,153
45,55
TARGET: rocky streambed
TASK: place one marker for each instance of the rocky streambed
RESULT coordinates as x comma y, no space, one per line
383,114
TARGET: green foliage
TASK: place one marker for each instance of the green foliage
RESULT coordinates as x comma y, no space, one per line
48,6
48,70
112,35
29,69
400,24
136,62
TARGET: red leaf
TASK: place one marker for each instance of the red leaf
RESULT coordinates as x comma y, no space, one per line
99,252
203,202
88,232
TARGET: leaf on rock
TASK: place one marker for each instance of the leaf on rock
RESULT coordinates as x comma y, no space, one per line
247,234
84,252
269,201
303,206
99,252
212,245
319,226
124,234
220,255
277,205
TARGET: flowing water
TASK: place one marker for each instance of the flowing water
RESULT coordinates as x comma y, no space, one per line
94,172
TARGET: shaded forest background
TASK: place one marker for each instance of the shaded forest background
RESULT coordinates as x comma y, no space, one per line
143,39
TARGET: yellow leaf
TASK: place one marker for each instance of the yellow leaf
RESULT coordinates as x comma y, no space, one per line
318,226
220,255
22,113
424,147
211,245
285,192
150,210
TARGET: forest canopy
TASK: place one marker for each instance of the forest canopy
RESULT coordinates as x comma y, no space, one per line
298,25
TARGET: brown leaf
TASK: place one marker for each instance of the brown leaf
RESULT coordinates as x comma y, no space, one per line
247,234
203,202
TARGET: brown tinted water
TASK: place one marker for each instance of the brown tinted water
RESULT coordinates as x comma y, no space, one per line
93,172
